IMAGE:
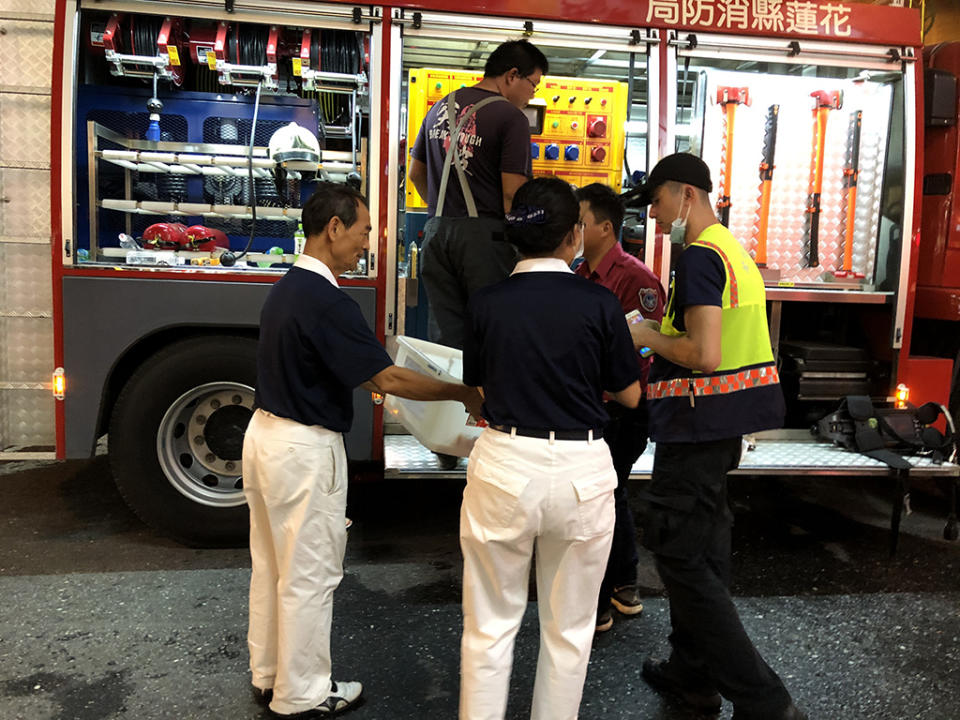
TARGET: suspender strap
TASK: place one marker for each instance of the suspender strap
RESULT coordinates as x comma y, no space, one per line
453,153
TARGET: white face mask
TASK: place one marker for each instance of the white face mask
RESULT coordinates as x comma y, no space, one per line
678,228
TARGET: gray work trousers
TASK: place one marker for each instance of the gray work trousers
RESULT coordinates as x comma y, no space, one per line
460,256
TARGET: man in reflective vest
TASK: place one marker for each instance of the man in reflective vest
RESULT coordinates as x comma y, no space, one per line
712,381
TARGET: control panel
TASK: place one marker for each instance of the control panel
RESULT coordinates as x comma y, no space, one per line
576,125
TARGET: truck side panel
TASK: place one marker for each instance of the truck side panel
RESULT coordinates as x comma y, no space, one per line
938,279
105,318
26,325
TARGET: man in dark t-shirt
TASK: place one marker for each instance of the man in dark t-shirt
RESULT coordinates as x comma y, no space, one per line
314,348
463,247
495,141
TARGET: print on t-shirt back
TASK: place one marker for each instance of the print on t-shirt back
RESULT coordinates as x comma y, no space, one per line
469,136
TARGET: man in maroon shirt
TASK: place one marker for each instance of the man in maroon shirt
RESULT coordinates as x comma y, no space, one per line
637,288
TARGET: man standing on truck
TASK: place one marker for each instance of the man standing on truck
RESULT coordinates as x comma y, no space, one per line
315,348
470,156
712,381
606,263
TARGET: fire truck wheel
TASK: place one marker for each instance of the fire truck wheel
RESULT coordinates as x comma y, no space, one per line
176,439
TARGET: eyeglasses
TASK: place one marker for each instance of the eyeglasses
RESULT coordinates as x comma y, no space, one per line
532,83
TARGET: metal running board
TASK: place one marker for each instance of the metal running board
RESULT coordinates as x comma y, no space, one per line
404,457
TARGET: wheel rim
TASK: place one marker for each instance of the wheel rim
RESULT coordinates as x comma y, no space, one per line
200,440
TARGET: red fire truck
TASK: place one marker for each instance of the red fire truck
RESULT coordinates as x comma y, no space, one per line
180,153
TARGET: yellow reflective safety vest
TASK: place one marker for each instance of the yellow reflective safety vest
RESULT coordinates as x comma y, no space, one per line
743,394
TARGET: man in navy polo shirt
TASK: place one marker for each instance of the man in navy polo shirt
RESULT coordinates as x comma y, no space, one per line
315,348
637,288
545,345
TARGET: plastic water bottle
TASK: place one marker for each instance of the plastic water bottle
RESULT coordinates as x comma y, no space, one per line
414,260
299,240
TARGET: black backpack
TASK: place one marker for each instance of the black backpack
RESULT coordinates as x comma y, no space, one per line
886,434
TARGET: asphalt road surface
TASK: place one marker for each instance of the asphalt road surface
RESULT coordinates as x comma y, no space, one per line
102,618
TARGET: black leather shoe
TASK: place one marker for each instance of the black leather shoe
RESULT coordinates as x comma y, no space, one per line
659,675
604,621
447,462
261,696
792,712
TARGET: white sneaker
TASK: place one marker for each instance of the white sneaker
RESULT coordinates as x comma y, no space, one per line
343,696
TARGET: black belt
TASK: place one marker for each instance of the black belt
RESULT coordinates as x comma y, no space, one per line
545,434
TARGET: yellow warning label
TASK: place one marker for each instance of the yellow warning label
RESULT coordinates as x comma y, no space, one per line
296,66
174,55
211,60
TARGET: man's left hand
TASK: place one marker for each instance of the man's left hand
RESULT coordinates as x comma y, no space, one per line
645,332
473,401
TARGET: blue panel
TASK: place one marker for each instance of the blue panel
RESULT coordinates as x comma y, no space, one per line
416,318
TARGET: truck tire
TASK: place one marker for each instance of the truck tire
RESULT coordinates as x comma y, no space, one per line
176,438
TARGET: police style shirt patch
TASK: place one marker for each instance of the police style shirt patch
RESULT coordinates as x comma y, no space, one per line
648,299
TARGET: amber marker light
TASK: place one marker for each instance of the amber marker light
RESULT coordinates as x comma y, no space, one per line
902,396
59,384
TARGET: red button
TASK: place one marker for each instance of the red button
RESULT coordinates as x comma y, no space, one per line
597,154
597,128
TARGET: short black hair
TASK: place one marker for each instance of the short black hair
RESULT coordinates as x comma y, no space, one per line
604,203
542,232
520,54
330,200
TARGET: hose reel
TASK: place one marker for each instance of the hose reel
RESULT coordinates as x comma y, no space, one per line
246,55
144,46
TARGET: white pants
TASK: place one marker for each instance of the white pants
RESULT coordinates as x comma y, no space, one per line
523,493
295,482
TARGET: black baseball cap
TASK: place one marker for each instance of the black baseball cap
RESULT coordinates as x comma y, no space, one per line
679,167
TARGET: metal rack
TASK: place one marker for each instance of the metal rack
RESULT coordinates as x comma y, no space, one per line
187,159
776,296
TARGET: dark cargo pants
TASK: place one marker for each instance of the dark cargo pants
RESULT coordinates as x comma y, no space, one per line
688,529
626,434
